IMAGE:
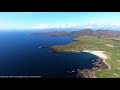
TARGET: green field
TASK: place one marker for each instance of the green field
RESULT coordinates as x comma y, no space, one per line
111,47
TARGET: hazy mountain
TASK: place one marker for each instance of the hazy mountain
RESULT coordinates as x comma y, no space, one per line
83,32
109,33
87,32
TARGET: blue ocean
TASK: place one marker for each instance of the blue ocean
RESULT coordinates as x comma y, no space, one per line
20,55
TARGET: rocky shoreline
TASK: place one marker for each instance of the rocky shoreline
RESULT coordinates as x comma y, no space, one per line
89,73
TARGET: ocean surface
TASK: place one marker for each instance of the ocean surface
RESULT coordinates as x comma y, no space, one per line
20,55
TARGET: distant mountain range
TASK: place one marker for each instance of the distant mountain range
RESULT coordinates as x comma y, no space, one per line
84,32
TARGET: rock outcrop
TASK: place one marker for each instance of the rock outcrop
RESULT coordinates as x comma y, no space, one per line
90,73
86,73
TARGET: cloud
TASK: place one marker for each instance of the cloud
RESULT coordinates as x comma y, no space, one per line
47,26
87,25
91,25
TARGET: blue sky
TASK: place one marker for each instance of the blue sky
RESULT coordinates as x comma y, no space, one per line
23,20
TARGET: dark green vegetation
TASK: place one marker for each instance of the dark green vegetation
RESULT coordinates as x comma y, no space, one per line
107,41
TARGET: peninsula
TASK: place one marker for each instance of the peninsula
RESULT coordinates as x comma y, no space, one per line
104,45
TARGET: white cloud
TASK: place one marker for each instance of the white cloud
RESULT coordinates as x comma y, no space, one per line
58,26
47,26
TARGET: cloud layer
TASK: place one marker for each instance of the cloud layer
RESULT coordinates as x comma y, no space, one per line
64,26
88,25
47,26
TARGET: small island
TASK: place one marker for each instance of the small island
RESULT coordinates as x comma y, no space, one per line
104,45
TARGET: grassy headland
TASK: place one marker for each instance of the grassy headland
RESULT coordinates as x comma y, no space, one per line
111,46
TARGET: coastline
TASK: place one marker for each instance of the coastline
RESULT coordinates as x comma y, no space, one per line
87,39
100,54
101,64
90,45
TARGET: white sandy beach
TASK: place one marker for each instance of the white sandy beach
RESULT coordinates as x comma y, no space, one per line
99,54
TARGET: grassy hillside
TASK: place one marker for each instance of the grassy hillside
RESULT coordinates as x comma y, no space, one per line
111,46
